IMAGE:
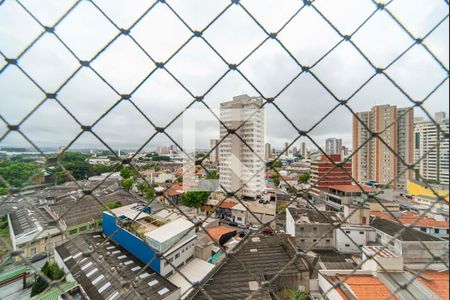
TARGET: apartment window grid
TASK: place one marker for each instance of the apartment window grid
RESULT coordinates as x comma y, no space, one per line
378,8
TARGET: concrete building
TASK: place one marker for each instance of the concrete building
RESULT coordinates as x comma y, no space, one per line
304,150
431,148
373,160
162,240
214,155
310,229
415,246
338,196
333,146
268,151
241,166
324,174
102,274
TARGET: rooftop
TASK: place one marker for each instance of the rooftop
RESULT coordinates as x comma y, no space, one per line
258,258
350,188
169,230
409,218
311,216
409,235
103,274
363,287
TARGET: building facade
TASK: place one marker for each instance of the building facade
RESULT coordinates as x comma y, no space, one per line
378,161
242,154
214,155
431,148
324,173
333,146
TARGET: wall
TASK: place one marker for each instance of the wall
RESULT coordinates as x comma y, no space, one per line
178,257
290,224
415,252
322,235
355,234
326,287
130,242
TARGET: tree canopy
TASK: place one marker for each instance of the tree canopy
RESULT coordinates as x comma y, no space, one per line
195,199
304,178
52,271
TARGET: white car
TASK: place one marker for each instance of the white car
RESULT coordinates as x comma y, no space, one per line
254,227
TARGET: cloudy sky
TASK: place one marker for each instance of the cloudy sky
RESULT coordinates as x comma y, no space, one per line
197,67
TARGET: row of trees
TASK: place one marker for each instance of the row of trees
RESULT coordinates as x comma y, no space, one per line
129,178
52,271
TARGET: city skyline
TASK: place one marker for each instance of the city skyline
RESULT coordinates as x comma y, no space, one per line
87,97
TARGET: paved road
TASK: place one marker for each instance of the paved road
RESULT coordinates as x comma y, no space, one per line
14,290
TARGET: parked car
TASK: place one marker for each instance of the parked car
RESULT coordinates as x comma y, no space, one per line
233,224
267,230
254,227
38,257
242,226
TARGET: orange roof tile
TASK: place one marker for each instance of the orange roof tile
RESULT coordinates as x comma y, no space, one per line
228,204
217,232
367,287
410,218
438,283
350,188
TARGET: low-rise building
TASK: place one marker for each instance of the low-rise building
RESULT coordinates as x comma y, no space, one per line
110,272
163,242
311,230
256,262
415,246
338,196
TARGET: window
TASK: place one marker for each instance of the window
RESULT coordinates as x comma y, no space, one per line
177,255
361,232
73,231
83,228
302,240
347,245
302,228
33,251
436,231
314,241
423,229
315,228
348,232
328,241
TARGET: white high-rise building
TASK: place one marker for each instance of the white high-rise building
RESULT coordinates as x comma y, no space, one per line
303,150
432,148
241,166
268,151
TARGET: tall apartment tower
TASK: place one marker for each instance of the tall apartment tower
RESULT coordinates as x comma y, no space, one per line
214,155
373,160
303,150
268,151
333,146
239,165
432,149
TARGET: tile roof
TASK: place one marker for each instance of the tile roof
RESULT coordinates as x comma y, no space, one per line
217,232
392,228
259,257
439,283
366,287
409,218
228,204
349,188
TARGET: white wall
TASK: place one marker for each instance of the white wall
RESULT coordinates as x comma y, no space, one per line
290,224
345,245
184,253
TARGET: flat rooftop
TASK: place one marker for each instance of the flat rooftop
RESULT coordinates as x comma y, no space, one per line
169,230
109,271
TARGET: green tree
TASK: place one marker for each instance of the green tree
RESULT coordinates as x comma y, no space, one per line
52,271
127,183
149,193
213,175
126,173
304,178
277,164
195,199
17,173
276,179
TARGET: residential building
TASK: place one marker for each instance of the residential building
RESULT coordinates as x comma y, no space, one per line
432,149
242,169
304,150
338,196
438,227
268,151
311,230
325,173
383,162
30,233
414,246
356,232
102,274
214,155
255,263
333,146
162,240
